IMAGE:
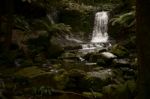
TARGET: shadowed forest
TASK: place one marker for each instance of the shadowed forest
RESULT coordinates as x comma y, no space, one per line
74,49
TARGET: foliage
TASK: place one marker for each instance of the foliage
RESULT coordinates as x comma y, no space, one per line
126,19
69,5
42,90
40,25
120,51
21,23
94,95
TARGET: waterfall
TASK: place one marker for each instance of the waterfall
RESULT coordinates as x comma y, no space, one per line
100,28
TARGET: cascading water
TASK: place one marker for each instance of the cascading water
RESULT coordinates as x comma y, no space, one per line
99,36
100,28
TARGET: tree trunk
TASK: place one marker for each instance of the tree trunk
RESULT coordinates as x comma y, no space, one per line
143,43
9,24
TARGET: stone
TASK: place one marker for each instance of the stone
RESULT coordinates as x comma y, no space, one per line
121,63
97,79
101,74
119,51
108,55
30,72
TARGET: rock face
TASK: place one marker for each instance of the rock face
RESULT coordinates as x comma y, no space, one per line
101,74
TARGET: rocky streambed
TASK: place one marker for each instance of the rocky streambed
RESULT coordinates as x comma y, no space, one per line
104,74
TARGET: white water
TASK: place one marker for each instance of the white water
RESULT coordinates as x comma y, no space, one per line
73,39
99,40
100,28
50,18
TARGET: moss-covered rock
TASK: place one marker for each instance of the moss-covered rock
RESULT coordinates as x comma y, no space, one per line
30,72
97,79
123,91
76,80
38,77
68,55
120,51
92,57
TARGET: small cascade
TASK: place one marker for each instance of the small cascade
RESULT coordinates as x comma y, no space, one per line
50,18
73,39
100,36
100,28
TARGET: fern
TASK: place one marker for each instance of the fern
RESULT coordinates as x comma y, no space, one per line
126,20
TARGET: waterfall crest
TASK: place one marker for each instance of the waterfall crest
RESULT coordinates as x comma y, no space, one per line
100,28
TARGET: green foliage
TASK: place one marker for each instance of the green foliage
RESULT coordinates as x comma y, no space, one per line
8,57
120,51
73,6
42,91
2,84
125,20
42,24
21,23
60,28
51,28
93,95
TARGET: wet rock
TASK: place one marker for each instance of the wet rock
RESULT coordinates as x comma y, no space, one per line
102,62
92,57
71,56
98,68
108,55
121,63
97,79
119,51
102,59
121,91
68,55
106,59
128,73
102,50
90,64
75,80
101,74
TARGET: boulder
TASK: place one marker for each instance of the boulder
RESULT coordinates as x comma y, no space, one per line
108,55
97,79
126,90
121,63
38,77
106,59
75,80
119,51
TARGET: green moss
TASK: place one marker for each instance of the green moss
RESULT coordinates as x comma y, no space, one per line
61,80
119,50
120,91
92,95
19,97
30,72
